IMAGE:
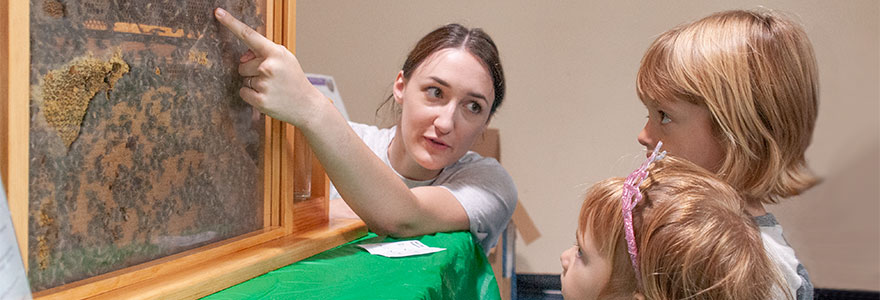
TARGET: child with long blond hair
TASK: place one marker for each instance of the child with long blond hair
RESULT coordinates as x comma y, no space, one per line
737,93
680,234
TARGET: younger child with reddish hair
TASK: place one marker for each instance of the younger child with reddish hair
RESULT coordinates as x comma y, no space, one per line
680,234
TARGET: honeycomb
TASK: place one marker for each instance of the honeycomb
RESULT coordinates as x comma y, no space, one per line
68,90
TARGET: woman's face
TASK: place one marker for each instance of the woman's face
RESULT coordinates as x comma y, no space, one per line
686,131
445,107
584,271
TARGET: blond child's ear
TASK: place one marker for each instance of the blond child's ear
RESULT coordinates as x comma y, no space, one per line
638,296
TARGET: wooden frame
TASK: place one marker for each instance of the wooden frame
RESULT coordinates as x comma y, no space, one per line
293,230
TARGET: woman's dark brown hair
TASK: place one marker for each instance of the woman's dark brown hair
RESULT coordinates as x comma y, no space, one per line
473,40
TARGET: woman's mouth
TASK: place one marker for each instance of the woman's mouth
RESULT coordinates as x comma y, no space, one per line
436,143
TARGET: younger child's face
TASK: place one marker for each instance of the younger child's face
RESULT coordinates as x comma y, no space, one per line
686,131
584,271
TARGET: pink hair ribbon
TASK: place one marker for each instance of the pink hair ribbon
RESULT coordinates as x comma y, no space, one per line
631,197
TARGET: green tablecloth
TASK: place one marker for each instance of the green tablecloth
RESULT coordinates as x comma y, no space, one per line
350,272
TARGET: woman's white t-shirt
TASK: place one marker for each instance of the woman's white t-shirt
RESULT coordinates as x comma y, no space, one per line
480,184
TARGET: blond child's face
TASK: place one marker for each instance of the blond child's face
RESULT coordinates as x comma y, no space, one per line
584,272
686,131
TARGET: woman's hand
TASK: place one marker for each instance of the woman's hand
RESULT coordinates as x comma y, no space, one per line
273,80
275,84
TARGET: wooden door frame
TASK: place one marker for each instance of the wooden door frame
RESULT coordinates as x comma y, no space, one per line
292,230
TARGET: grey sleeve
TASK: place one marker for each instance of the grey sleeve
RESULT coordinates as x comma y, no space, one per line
804,292
488,196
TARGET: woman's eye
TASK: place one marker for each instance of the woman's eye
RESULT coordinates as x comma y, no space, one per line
434,92
474,107
664,118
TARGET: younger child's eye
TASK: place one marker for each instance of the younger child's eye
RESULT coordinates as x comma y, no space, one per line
664,118
434,92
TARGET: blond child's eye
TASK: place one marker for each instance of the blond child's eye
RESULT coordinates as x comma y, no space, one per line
664,118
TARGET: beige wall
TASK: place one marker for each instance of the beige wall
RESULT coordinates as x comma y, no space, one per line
571,115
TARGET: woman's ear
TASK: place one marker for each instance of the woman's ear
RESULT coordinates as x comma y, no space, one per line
399,85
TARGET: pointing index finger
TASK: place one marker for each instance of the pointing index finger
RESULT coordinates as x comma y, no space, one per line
254,40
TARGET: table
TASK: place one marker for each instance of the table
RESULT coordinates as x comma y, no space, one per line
350,272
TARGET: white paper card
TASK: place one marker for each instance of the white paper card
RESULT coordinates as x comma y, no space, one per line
400,249
13,280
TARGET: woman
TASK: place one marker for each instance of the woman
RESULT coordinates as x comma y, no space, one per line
449,87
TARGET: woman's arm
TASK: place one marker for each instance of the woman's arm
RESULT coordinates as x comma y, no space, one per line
280,89
372,189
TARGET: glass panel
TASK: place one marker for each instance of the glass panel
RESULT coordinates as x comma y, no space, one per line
140,146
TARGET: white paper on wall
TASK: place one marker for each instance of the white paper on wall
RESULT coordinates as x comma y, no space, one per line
328,86
13,279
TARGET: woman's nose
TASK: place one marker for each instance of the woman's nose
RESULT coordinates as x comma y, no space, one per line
445,120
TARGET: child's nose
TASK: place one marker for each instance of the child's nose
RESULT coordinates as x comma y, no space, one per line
565,259
645,137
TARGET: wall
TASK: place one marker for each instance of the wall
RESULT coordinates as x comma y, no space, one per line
571,68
